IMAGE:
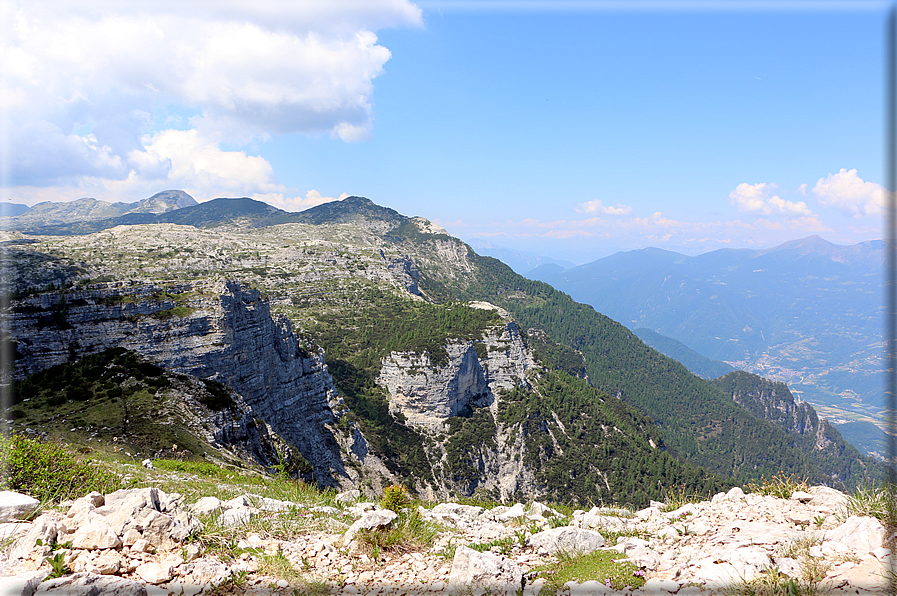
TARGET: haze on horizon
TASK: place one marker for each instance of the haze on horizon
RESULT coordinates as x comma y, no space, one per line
571,130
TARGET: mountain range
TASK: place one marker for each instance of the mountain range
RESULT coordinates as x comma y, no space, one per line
356,346
807,312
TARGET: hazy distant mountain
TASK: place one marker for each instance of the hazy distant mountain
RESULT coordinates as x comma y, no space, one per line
51,213
12,209
699,365
521,262
807,312
162,202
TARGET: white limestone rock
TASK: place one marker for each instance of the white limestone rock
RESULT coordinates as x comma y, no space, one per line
348,496
379,518
91,584
95,533
154,573
568,539
207,506
15,506
477,573
861,534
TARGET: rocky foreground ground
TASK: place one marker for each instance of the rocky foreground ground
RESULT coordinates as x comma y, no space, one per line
143,541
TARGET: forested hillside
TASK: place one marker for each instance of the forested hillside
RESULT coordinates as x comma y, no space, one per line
699,422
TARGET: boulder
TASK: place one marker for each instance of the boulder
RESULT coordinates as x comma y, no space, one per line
15,506
206,506
95,533
236,517
567,539
861,534
379,518
44,528
477,573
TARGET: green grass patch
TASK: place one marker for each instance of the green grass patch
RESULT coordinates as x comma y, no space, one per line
778,485
603,566
50,472
874,500
409,533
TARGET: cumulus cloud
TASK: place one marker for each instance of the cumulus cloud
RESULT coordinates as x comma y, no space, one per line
189,161
850,194
596,206
81,83
755,198
311,199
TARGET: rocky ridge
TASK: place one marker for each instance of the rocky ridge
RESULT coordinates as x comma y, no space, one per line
142,541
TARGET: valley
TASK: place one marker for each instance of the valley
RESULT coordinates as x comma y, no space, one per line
807,312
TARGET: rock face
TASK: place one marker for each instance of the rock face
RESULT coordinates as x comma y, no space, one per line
427,393
224,332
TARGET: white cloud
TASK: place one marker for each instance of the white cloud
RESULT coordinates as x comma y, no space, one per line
82,82
311,199
755,198
596,206
849,193
185,160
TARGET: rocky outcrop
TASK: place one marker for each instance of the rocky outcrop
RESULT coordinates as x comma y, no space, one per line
771,401
472,375
222,331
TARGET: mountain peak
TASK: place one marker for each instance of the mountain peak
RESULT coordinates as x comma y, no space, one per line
163,202
353,210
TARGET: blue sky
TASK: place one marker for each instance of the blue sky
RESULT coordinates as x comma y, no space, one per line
570,129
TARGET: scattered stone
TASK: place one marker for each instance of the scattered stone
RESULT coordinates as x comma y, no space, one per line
700,549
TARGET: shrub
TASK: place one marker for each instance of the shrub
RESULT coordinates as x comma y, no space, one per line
395,498
778,485
49,472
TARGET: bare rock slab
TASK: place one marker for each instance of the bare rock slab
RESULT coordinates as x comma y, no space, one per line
91,584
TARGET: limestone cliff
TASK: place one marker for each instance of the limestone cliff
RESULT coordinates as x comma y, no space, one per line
220,330
428,393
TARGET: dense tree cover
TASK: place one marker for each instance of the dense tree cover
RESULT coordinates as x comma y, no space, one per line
376,323
583,447
699,422
831,452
